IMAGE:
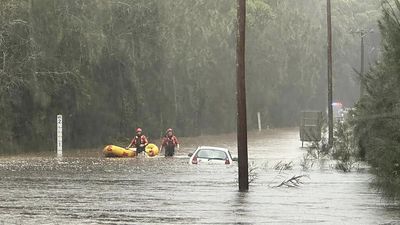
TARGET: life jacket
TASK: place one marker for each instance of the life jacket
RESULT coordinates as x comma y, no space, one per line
139,140
170,142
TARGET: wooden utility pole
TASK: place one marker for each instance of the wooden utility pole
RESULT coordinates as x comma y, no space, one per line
330,95
241,97
363,33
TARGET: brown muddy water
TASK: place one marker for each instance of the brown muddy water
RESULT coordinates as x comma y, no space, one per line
85,188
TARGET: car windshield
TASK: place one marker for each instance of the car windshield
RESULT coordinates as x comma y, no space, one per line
211,154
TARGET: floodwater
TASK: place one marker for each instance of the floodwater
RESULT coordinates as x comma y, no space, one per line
85,188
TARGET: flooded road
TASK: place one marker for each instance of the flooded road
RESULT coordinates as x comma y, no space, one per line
85,188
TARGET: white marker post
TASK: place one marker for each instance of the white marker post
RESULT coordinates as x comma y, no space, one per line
59,135
259,121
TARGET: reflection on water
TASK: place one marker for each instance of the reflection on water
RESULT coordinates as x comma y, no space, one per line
90,189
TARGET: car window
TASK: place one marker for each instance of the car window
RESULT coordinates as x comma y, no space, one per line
214,154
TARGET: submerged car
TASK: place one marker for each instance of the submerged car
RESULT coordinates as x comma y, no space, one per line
211,155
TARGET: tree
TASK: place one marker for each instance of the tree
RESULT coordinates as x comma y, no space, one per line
377,115
110,66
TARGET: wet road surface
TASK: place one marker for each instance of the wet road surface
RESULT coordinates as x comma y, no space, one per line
85,188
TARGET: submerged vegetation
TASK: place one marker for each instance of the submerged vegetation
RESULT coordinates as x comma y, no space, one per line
344,149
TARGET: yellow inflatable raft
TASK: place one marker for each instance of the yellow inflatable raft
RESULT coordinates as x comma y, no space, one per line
151,150
115,151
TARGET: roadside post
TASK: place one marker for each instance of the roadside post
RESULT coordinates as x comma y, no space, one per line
59,135
241,98
259,121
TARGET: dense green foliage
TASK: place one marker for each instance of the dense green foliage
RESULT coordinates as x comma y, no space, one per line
109,66
377,121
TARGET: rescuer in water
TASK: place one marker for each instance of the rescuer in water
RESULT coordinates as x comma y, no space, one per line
139,141
169,143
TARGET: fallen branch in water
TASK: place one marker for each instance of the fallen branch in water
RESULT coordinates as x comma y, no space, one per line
295,181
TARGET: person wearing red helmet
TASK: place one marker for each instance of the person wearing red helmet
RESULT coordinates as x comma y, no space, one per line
139,141
169,143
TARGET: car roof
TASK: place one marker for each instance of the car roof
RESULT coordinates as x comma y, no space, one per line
212,148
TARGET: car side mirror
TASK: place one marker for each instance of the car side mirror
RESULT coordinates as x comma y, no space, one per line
190,154
235,159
